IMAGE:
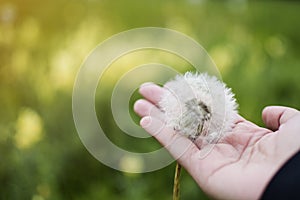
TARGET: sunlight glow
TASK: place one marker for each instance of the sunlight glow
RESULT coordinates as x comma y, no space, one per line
29,128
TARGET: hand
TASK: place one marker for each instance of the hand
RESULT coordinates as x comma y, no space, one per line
243,162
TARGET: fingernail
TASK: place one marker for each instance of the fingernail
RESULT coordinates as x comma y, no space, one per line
145,121
137,105
146,84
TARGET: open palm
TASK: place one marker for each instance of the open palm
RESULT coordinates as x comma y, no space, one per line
242,163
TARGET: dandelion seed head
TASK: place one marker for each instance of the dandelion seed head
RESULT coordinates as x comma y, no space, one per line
198,105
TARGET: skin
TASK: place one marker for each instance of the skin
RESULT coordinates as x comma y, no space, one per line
242,163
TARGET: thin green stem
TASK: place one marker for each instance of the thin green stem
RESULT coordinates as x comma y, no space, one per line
176,186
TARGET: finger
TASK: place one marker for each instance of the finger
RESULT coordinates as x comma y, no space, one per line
274,116
180,147
151,92
144,108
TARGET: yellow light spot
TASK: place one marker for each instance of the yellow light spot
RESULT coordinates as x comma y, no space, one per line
223,56
29,32
131,164
28,128
62,70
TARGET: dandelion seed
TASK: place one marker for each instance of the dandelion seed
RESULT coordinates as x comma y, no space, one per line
199,105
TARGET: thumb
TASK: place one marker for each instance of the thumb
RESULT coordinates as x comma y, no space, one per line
274,116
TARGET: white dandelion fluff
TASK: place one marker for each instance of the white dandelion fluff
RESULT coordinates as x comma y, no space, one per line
199,105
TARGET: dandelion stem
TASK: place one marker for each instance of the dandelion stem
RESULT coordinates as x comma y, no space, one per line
176,182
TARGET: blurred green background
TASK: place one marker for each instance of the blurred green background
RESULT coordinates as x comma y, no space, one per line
43,43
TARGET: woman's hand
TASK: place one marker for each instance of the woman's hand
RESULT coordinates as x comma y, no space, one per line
243,162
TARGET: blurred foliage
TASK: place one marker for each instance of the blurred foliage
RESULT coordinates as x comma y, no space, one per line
43,43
